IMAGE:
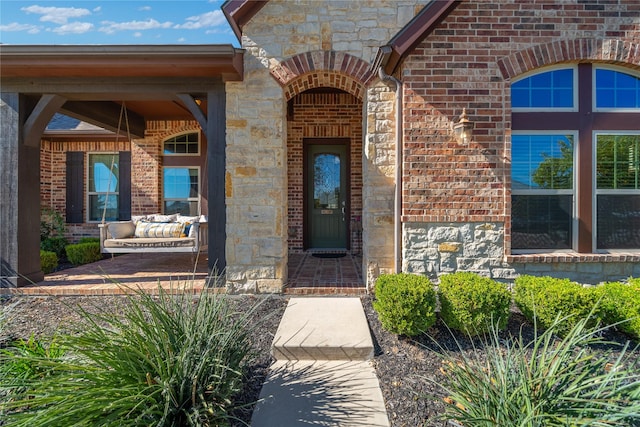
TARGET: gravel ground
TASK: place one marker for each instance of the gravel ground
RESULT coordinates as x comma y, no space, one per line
407,368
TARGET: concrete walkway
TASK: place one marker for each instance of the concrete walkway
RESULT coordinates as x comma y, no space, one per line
322,374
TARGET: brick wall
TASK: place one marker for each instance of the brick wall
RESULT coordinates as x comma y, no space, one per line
323,115
466,63
456,196
146,166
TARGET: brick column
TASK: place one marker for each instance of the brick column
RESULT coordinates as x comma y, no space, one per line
19,216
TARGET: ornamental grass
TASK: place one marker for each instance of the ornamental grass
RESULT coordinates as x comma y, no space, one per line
172,359
550,381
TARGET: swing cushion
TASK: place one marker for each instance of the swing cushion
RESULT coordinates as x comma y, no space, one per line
121,229
159,229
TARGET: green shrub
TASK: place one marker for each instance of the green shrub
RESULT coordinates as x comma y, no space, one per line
620,304
471,303
405,303
54,244
83,253
51,223
48,261
546,382
166,360
89,240
545,298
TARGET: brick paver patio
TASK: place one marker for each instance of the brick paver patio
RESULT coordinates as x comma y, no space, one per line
307,275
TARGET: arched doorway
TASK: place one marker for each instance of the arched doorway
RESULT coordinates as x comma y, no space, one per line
324,163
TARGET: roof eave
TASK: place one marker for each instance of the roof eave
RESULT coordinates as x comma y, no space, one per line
412,34
240,12
122,61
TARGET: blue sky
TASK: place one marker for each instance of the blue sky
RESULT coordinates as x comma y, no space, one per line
114,22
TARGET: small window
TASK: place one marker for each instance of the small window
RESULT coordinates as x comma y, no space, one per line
546,90
181,190
185,144
618,191
103,187
615,89
542,191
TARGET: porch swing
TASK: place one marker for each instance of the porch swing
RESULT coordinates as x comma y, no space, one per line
154,233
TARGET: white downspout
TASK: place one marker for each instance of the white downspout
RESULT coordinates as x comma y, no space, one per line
397,223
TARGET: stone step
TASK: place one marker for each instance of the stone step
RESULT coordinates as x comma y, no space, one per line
323,329
325,393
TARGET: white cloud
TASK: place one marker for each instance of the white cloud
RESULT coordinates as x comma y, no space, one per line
73,28
145,8
14,26
57,15
137,34
209,19
110,27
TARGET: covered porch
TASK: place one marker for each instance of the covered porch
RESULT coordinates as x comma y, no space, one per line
95,84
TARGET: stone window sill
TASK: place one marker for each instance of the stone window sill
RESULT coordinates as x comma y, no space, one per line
573,257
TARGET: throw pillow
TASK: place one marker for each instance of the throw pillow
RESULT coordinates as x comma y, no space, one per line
159,229
121,230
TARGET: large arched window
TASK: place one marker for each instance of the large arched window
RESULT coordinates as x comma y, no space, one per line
576,160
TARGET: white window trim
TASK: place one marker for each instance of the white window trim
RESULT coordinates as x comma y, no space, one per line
597,192
575,108
593,88
573,192
88,193
198,199
199,142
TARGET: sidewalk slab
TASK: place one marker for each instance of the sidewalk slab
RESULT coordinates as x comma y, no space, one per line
328,393
323,329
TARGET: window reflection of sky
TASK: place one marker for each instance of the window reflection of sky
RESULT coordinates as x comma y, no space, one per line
104,179
180,183
553,89
326,189
529,151
617,90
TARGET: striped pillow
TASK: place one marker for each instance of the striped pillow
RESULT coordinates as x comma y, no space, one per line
159,229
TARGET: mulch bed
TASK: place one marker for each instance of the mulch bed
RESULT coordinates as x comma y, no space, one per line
408,369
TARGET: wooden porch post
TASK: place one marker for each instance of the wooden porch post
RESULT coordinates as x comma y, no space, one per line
216,159
19,216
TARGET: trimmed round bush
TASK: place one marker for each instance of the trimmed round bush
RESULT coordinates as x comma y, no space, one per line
544,298
83,253
472,303
405,303
620,303
48,261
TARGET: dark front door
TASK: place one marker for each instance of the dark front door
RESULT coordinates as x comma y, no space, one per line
326,196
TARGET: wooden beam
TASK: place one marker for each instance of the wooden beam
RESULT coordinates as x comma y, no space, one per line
106,115
123,88
39,117
190,102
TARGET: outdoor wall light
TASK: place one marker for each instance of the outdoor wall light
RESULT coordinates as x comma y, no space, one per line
463,130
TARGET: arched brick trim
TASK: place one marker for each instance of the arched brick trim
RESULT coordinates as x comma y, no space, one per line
324,79
320,61
604,50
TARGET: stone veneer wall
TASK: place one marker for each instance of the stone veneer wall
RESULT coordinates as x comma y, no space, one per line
432,249
256,175
379,190
456,197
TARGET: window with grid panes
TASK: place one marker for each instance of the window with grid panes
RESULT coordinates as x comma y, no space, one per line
575,160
